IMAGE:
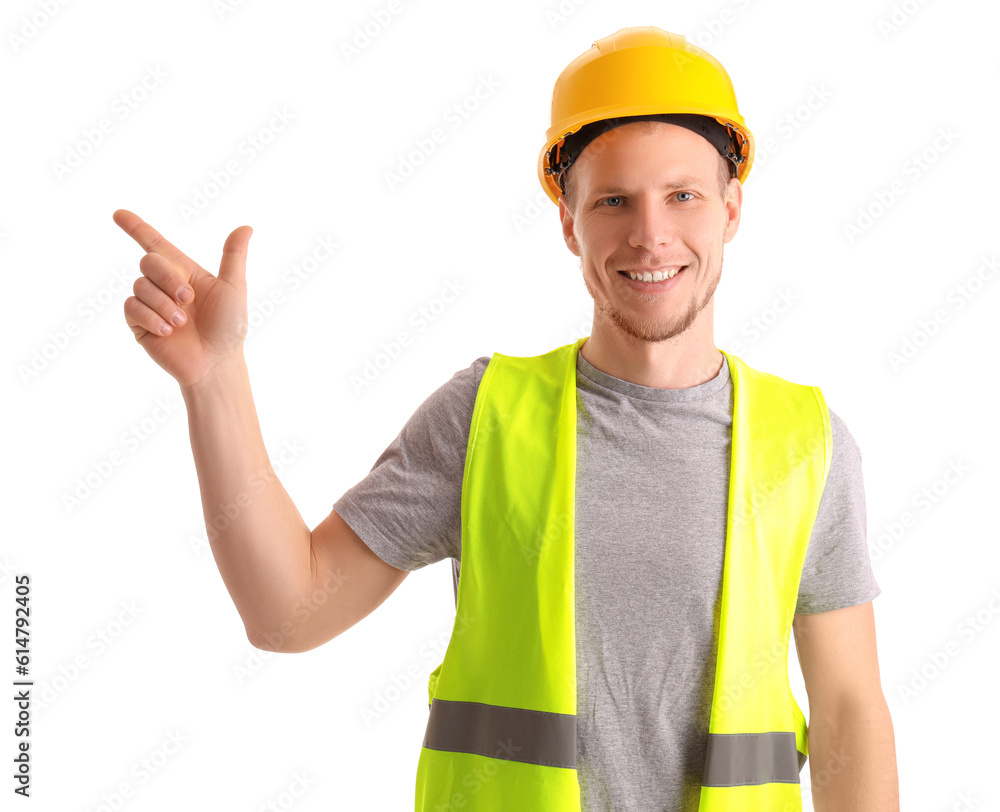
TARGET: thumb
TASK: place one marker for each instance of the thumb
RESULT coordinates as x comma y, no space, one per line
233,268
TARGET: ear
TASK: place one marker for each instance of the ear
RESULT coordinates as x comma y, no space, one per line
734,205
566,218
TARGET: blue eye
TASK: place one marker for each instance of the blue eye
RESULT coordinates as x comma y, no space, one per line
686,193
612,198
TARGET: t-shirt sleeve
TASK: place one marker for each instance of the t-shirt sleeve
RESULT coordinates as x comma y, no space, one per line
407,509
837,572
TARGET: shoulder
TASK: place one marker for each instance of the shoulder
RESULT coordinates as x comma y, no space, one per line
469,378
452,402
846,451
553,367
771,383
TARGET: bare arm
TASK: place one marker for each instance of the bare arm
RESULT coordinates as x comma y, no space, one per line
852,751
258,537
294,589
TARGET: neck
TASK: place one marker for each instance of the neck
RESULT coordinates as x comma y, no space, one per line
688,359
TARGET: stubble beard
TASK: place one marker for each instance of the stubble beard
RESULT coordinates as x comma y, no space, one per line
640,328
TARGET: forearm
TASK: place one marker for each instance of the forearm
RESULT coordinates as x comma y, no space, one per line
853,761
258,537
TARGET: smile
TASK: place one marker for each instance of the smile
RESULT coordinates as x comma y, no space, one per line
653,277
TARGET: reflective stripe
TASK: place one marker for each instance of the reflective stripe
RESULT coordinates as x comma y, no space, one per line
738,759
515,734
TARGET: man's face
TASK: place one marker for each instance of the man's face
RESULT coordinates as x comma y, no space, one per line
648,198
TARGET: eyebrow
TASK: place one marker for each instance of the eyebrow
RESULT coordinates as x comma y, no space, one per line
674,184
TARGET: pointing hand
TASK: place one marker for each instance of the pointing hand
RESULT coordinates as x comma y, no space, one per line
212,324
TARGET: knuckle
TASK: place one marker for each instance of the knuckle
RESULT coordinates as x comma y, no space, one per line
154,264
147,290
141,289
134,311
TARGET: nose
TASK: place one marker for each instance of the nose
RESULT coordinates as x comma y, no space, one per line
652,225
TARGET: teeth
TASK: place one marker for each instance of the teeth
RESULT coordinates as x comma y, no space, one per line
656,276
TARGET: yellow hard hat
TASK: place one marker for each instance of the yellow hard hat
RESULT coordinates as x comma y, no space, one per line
639,72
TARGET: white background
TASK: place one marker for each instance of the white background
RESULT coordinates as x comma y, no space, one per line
893,77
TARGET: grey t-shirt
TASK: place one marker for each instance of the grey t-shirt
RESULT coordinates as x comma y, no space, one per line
651,498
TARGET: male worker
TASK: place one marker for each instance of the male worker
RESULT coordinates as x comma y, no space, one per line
634,519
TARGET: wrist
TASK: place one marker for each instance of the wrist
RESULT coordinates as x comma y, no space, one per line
225,374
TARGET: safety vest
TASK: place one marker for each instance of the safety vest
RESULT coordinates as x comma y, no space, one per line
502,729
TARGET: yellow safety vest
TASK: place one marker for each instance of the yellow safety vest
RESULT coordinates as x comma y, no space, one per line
501,736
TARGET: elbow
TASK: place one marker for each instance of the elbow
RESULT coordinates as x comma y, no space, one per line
851,714
273,641
288,639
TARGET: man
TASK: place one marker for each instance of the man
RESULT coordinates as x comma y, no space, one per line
633,519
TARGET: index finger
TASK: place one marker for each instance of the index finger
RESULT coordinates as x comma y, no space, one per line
153,242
